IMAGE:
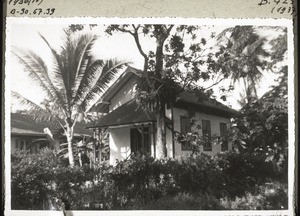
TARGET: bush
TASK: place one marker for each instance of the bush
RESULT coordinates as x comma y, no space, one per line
181,201
42,181
31,179
146,179
265,199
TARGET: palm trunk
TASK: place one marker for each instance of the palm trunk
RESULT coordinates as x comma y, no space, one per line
70,144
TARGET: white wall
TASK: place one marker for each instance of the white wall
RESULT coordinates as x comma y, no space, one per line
125,94
119,138
215,129
119,143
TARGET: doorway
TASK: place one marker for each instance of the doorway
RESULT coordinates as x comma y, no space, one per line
140,141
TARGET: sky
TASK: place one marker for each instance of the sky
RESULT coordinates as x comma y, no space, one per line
121,46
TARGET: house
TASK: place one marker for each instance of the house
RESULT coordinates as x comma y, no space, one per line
132,129
26,134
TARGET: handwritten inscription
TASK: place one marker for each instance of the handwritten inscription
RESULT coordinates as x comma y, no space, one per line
29,7
36,11
25,2
280,6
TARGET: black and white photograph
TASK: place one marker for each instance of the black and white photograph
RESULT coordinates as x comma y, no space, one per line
149,114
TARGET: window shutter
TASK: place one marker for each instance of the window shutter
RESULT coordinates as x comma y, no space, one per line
223,133
206,132
206,128
185,127
185,124
223,129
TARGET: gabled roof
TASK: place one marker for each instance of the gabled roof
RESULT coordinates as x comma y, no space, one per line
210,106
24,126
128,113
128,74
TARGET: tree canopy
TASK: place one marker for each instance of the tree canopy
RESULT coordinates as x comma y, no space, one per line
262,127
73,82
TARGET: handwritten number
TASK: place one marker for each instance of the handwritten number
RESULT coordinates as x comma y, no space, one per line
23,11
294,10
37,11
277,1
52,11
263,2
272,10
13,11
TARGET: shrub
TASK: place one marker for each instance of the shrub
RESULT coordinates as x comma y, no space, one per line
142,182
264,199
181,201
40,180
31,178
146,179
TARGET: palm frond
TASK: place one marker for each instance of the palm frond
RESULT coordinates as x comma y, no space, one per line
89,79
37,112
222,35
34,69
83,59
110,69
60,78
38,72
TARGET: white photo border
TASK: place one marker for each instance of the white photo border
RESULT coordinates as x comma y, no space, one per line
188,21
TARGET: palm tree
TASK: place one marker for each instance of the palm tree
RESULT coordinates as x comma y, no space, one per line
73,83
247,57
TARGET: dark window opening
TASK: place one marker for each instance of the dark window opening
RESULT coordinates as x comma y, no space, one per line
206,133
140,141
185,127
223,134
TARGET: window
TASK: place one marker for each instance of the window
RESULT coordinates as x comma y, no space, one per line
223,133
22,144
140,141
206,133
185,127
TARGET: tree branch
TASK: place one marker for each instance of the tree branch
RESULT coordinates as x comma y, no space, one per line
216,83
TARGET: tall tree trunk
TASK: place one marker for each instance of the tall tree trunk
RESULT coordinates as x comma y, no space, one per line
70,144
161,149
100,152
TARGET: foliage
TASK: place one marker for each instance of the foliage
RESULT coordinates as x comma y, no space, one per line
146,179
246,52
266,199
261,130
38,179
181,201
191,182
72,84
30,180
183,61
